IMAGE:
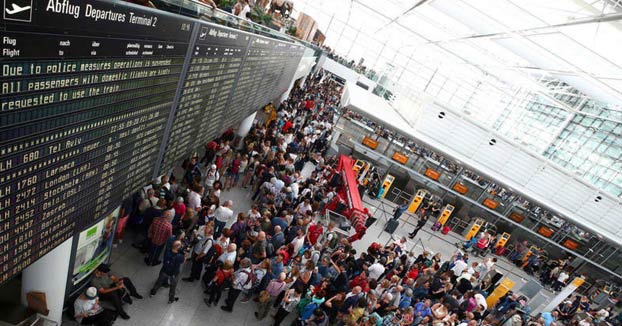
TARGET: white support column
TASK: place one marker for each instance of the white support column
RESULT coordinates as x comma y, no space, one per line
49,275
245,127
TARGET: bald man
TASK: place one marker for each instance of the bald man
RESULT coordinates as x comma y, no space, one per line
173,260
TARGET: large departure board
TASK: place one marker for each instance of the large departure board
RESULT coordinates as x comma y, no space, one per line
86,92
215,63
231,74
97,96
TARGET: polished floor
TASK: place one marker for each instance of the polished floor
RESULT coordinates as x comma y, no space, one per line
190,309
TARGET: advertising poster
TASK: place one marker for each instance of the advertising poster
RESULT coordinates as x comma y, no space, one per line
94,246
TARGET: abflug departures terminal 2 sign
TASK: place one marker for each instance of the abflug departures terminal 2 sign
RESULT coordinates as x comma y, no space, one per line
88,90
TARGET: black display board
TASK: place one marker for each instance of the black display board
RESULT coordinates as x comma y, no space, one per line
215,63
92,93
86,91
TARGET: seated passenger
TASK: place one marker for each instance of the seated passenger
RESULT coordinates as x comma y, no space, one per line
87,310
113,289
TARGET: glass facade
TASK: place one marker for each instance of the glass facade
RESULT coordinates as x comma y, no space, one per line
555,90
591,147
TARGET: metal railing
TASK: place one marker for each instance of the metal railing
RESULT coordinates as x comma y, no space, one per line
202,11
332,216
398,196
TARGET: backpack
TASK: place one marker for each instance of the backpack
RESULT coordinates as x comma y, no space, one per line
212,253
308,310
304,301
270,249
251,279
334,241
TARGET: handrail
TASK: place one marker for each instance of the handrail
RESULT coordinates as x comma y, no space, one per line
327,219
197,9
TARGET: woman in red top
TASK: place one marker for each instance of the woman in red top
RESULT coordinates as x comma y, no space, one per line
288,124
413,273
223,276
285,253
360,280
233,173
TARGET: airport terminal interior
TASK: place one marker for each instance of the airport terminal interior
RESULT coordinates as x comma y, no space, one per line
311,162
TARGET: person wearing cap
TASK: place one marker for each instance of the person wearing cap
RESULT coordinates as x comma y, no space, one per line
210,152
87,310
113,289
288,201
211,176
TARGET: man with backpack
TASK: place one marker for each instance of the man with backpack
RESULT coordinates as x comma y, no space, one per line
330,239
307,307
243,280
202,253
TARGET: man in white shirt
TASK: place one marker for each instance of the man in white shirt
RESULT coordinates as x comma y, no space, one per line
303,208
194,199
229,255
295,186
298,242
561,281
376,269
459,267
87,310
278,185
150,201
222,215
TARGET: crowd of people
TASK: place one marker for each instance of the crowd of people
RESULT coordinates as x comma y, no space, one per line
281,255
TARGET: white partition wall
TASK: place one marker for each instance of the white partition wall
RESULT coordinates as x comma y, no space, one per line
526,172
49,275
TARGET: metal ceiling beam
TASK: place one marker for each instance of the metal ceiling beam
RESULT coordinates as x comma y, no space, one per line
602,19
560,58
417,4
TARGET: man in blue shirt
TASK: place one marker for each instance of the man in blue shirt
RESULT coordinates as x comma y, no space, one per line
422,309
399,210
549,317
277,267
171,267
278,239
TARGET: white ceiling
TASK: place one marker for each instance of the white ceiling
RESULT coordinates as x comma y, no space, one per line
577,41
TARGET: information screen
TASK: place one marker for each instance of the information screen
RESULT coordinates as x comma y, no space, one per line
216,60
98,96
82,115
231,75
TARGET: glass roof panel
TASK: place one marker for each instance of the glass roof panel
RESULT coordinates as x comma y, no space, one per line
577,54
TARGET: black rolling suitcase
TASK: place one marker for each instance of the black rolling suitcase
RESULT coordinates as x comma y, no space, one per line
391,226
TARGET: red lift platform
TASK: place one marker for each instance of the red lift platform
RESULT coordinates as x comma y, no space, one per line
348,196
